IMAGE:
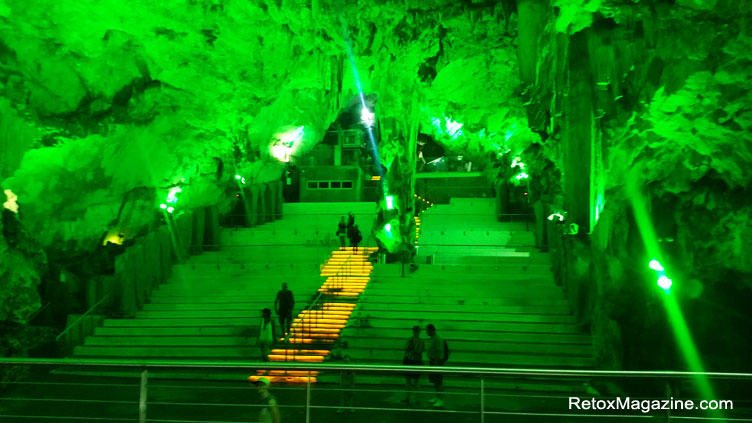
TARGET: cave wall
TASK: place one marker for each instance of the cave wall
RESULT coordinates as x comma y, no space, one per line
658,93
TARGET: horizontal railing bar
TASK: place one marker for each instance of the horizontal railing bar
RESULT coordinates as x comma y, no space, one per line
66,400
432,410
71,384
188,421
522,413
20,416
223,404
374,368
619,416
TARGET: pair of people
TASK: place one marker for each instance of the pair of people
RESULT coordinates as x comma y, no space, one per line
283,305
438,354
350,231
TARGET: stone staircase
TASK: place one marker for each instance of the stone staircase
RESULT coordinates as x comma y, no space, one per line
210,309
489,294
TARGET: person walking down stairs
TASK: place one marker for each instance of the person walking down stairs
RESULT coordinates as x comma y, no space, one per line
266,334
413,357
283,305
438,353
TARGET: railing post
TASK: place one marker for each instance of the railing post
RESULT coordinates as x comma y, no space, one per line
308,399
668,397
142,396
482,401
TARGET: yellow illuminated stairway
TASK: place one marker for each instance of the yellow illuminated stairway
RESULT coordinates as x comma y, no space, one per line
316,328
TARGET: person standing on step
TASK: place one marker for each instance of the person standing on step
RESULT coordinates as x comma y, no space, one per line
438,352
283,305
413,357
355,238
350,226
342,233
269,408
266,334
346,386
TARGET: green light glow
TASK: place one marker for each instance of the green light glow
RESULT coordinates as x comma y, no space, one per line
163,206
289,138
287,143
172,195
556,215
664,283
655,265
673,311
521,175
237,177
170,209
367,117
517,162
11,203
389,202
448,127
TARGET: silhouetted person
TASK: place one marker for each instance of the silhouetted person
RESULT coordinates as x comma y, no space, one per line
437,354
350,225
266,334
355,238
283,305
413,357
346,385
342,233
270,409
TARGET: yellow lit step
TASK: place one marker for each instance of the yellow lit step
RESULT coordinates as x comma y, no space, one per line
284,379
300,352
320,328
297,358
327,313
310,340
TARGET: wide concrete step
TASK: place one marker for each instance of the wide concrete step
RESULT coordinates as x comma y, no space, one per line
463,299
250,352
198,314
387,347
373,307
240,292
196,322
209,301
398,337
489,326
478,358
261,271
506,297
220,331
480,318
170,341
248,306
541,291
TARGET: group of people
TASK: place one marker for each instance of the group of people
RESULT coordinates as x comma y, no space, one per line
283,306
435,349
349,232
437,352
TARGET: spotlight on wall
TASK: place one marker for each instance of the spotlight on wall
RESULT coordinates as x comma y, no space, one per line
172,196
663,281
11,203
367,117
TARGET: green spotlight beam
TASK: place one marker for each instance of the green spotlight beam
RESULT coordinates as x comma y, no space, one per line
675,316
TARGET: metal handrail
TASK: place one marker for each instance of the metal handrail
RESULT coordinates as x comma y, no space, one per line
38,312
377,368
57,338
